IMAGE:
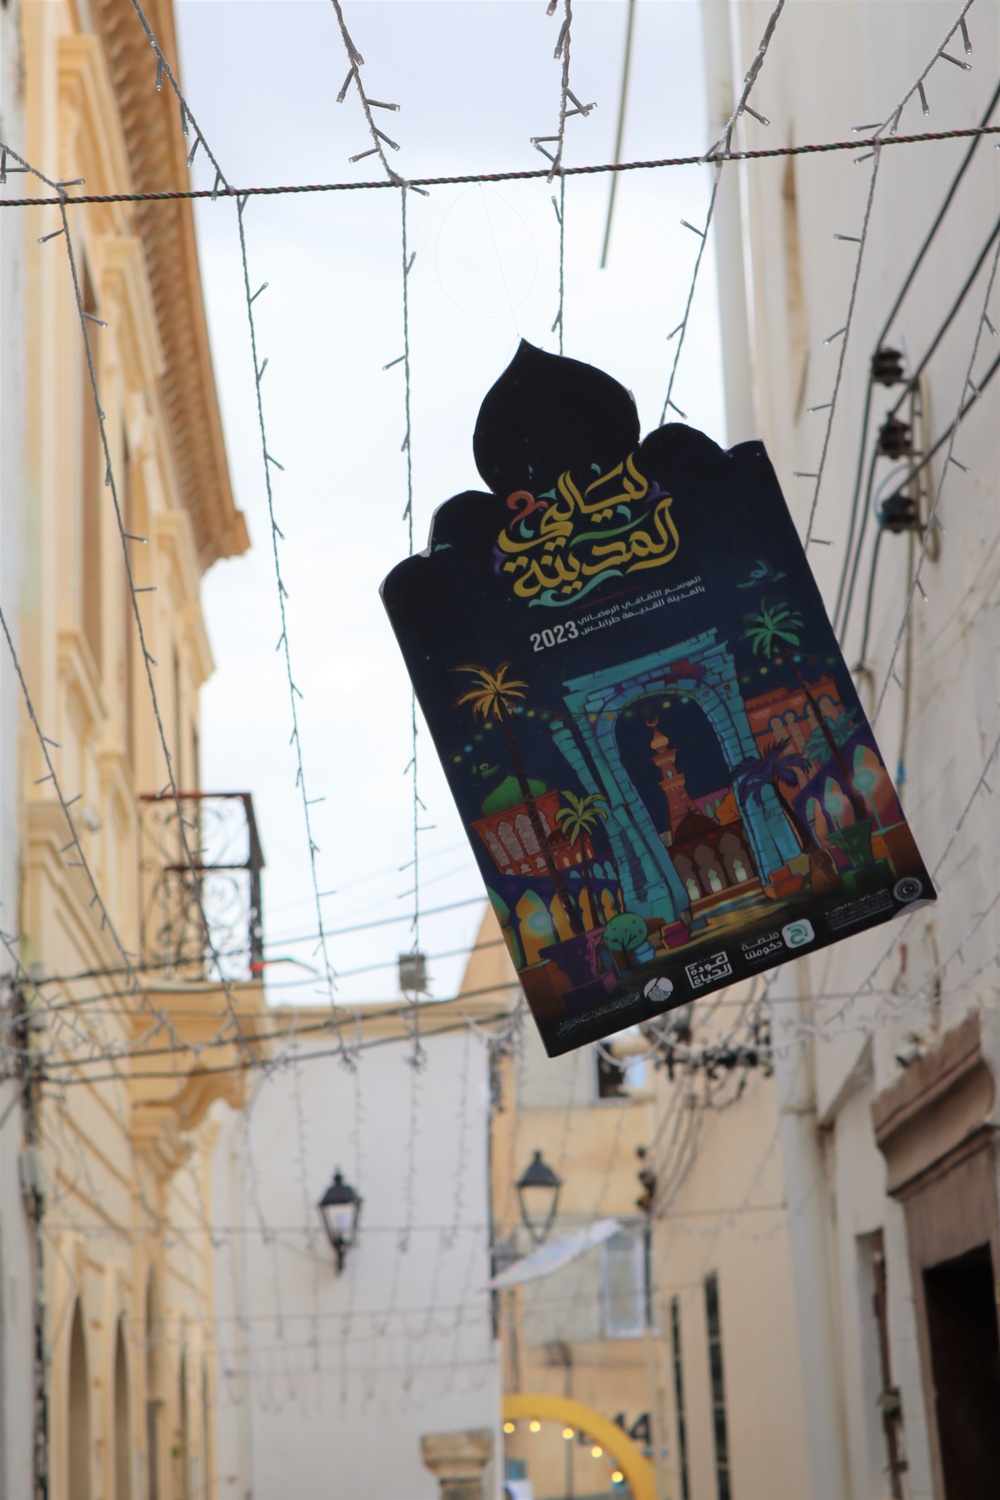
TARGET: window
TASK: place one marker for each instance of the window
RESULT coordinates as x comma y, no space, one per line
682,1447
122,1443
90,497
610,1076
178,766
78,1448
153,1402
623,1284
182,1448
128,617
881,1397
614,1078
719,1431
204,1485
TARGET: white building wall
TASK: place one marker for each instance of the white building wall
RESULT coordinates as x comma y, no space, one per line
327,1383
832,65
16,1260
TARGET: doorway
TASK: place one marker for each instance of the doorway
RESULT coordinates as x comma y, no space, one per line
961,1301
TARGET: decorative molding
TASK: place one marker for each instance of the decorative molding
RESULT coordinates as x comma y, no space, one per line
86,99
78,670
157,1135
123,282
173,535
940,1104
45,837
165,1110
157,156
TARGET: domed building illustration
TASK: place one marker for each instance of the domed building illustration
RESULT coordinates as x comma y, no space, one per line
505,828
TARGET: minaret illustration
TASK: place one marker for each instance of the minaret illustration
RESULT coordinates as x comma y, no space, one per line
671,780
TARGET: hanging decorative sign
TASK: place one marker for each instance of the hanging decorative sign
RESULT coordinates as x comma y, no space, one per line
642,711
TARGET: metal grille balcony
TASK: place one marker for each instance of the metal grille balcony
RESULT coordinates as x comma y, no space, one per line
201,919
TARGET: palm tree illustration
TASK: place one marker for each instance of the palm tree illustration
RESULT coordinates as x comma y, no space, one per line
816,747
771,630
578,818
493,696
777,767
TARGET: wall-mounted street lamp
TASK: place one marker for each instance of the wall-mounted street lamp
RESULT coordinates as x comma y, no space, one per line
538,1194
340,1208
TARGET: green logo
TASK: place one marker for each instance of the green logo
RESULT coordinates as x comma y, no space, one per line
798,934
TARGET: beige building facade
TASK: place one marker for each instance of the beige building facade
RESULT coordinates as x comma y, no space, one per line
581,1332
885,1046
727,1327
16,1240
130,1033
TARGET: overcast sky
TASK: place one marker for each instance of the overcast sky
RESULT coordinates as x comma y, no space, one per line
475,79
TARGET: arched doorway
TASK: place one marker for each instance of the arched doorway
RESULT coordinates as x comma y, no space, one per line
205,1477
153,1399
182,1451
123,1437
78,1449
636,1468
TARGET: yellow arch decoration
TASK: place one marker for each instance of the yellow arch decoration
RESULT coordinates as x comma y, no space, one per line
637,1469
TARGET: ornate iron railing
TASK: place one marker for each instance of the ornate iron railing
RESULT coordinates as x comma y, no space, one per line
201,917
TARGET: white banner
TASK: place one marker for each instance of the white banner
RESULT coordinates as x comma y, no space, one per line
552,1257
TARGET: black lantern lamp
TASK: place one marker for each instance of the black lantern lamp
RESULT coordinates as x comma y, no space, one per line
340,1208
538,1194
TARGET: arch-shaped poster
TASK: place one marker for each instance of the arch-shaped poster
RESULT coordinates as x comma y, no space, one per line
655,745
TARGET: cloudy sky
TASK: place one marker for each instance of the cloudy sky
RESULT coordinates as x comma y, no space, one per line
475,81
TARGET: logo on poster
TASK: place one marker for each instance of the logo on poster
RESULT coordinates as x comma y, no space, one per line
907,889
798,934
708,970
658,991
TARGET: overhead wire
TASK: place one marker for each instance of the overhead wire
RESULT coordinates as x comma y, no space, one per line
718,154
221,193
884,133
854,546
964,405
903,292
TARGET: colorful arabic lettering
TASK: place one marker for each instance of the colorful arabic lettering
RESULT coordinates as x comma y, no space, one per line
561,545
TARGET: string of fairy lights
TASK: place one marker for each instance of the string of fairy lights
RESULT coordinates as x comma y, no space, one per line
78,1043
720,153
753,71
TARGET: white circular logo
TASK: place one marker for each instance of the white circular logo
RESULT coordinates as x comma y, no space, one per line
658,991
907,889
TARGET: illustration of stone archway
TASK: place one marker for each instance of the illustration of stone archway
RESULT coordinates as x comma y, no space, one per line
702,670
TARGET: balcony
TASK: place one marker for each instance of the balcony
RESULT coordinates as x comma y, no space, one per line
201,917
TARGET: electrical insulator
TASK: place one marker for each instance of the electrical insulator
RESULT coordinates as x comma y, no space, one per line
895,439
887,366
900,513
647,1180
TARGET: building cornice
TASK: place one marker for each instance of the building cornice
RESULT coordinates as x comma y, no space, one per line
938,1105
157,158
